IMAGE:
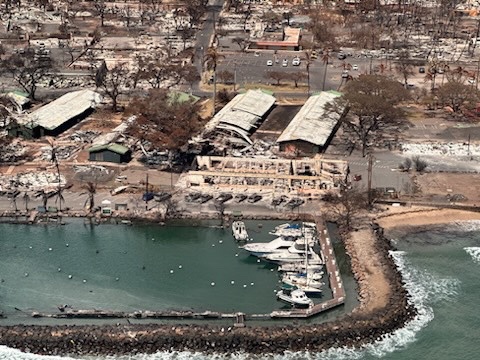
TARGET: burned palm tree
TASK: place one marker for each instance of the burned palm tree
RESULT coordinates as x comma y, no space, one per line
26,200
91,189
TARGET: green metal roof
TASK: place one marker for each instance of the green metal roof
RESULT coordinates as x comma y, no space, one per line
181,97
116,148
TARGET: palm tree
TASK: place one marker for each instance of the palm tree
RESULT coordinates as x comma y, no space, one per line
91,190
325,58
26,200
211,60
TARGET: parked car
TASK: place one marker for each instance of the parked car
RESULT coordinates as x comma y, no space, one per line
279,200
224,197
341,56
294,203
345,74
355,67
240,197
254,198
205,198
296,61
285,62
162,196
147,196
421,70
269,62
192,197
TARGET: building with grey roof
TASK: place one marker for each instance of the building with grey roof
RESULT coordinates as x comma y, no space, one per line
242,114
312,128
58,115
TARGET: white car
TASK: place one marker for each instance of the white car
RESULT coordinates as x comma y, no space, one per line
296,62
269,62
285,62
355,67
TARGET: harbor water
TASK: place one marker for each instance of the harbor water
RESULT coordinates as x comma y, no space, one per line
441,270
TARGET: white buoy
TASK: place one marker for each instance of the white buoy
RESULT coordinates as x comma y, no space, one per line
213,284
84,281
26,274
59,269
275,291
213,244
251,284
232,282
180,266
50,249
67,245
221,241
236,254
271,269
258,260
153,239
244,285
30,247
116,279
70,276
171,271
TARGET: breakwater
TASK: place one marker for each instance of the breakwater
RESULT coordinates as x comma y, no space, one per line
352,330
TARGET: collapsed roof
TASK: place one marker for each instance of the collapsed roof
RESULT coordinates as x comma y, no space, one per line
242,114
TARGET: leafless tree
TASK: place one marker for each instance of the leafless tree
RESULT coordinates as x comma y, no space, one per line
114,82
276,75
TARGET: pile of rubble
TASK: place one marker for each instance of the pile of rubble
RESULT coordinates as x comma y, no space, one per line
61,152
84,136
94,173
13,152
259,149
33,181
450,149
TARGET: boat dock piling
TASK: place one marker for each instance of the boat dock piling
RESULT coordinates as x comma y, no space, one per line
333,276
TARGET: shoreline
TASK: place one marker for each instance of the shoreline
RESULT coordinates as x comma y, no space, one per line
365,324
383,308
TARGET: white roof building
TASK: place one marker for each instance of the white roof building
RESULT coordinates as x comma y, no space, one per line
314,123
243,113
59,111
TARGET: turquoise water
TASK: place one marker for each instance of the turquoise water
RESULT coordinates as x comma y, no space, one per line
441,270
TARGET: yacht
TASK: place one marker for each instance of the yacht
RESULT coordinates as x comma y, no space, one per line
296,297
295,267
300,280
279,244
239,231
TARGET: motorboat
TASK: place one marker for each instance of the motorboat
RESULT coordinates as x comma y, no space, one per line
279,244
313,275
294,296
289,257
239,231
299,252
295,267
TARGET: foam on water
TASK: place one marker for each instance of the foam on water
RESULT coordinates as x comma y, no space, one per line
467,225
474,252
423,287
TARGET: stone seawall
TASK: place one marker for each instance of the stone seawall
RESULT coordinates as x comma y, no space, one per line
352,330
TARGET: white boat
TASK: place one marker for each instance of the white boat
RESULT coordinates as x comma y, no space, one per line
262,249
301,280
288,257
314,275
295,267
295,297
239,231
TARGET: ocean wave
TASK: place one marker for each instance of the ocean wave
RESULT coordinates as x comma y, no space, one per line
424,289
474,252
466,225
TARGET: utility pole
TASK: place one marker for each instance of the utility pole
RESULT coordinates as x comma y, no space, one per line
234,76
369,180
146,193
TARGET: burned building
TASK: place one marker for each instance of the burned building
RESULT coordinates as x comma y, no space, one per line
57,116
313,127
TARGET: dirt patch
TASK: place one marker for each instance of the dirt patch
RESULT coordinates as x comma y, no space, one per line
446,185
